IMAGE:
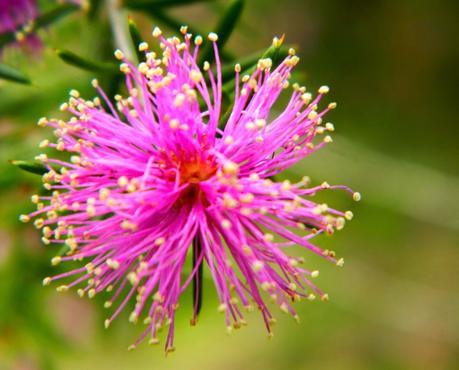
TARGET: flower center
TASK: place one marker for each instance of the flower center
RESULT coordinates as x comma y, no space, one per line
192,172
195,170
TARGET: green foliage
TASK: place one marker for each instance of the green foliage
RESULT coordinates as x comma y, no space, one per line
78,61
30,166
11,74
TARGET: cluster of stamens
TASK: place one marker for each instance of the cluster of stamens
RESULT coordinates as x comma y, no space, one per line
152,172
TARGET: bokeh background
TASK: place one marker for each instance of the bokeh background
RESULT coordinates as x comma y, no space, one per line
393,69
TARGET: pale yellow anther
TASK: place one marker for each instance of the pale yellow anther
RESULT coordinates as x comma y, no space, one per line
257,266
74,93
123,181
277,42
91,293
133,317
320,130
250,126
95,82
206,66
198,40
113,264
230,168
306,98
107,304
348,215
195,76
60,146
133,278
268,237
340,262
222,307
63,107
156,32
153,341
174,123
323,90
325,185
81,293
357,196
247,250
247,198
314,274
332,105
312,115
328,139
104,193
24,218
179,100
324,297
226,224
284,307
286,185
90,210
42,122
43,143
237,68
265,63
119,54
228,140
46,281
39,223
329,126
56,260
311,297
212,36
158,297
160,241
106,323
62,288
143,46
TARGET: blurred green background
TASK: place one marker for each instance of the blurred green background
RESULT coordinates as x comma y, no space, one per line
393,69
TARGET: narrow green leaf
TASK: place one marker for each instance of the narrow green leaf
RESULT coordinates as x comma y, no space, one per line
95,7
148,4
11,74
136,38
75,60
55,14
224,29
30,166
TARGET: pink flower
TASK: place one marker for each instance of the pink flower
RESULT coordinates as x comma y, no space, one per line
17,16
156,177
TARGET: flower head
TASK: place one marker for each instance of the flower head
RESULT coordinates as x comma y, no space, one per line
157,177
18,16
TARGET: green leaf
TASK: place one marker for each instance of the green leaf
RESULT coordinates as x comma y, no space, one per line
224,28
30,166
75,60
136,38
149,4
54,15
11,74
